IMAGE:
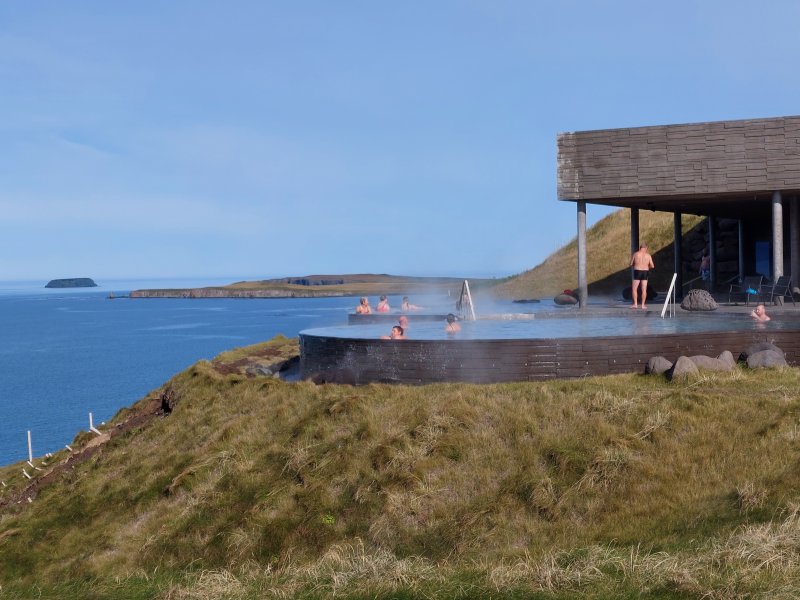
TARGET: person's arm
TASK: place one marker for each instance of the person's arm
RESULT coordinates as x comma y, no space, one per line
652,265
633,257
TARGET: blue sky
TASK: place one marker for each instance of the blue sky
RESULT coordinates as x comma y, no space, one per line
258,139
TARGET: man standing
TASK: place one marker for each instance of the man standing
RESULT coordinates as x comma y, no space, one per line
642,262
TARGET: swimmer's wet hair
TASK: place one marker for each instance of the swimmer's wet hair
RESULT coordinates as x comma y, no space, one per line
451,317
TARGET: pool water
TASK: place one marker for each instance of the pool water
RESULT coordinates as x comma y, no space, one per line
538,327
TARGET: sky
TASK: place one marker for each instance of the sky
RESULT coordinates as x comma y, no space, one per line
255,139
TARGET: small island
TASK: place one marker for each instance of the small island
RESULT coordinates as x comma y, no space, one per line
76,282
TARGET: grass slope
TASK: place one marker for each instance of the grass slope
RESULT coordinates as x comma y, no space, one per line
623,486
608,245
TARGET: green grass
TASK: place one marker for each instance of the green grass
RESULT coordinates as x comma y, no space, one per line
620,486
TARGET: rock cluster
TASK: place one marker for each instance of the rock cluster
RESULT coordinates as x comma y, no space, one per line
762,355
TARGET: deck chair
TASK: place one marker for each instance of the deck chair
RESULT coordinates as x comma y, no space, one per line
750,287
780,289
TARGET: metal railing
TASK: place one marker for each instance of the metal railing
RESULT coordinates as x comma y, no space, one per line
671,295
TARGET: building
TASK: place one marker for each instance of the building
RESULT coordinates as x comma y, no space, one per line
748,170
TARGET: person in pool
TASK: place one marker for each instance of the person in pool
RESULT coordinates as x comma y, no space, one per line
760,314
363,307
452,324
397,334
406,306
383,305
403,322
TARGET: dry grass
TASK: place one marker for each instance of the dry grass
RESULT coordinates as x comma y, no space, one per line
253,488
608,250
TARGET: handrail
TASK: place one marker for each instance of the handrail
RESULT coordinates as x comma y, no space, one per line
671,293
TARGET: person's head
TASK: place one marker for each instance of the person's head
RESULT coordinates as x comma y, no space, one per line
397,332
405,299
643,247
364,301
760,310
451,318
403,321
383,298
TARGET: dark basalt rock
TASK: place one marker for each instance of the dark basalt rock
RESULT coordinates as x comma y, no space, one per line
699,300
758,347
683,368
657,365
76,282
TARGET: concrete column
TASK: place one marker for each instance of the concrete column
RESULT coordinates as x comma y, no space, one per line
777,235
741,251
634,230
712,253
676,244
794,241
583,287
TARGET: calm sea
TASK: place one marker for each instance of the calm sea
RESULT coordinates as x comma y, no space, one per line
65,353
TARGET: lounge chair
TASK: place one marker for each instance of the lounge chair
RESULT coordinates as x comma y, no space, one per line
750,287
780,289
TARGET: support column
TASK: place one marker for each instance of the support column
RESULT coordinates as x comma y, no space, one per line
676,244
741,251
712,253
583,288
777,235
794,242
634,230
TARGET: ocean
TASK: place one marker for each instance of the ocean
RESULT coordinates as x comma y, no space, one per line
66,353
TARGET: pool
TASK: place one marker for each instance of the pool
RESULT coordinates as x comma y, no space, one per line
530,347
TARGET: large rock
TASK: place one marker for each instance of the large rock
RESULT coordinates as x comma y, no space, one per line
766,359
699,300
657,365
682,369
708,363
758,347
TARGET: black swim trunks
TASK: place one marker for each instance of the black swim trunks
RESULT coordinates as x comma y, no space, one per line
640,275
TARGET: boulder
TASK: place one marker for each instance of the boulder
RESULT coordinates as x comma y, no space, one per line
727,358
758,347
712,364
657,365
766,359
682,369
699,300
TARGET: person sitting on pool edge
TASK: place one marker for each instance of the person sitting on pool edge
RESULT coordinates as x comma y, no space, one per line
363,307
397,334
760,313
452,325
407,306
383,305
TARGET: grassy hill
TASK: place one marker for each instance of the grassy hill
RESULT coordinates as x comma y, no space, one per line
223,485
608,250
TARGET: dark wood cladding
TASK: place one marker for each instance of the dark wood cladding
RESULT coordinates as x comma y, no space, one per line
361,361
715,158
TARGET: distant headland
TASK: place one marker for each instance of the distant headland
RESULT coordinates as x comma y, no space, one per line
316,286
75,282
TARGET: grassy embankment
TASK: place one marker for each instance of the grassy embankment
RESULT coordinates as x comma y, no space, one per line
608,249
613,487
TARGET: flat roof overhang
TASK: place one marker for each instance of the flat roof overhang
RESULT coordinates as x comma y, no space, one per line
720,168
